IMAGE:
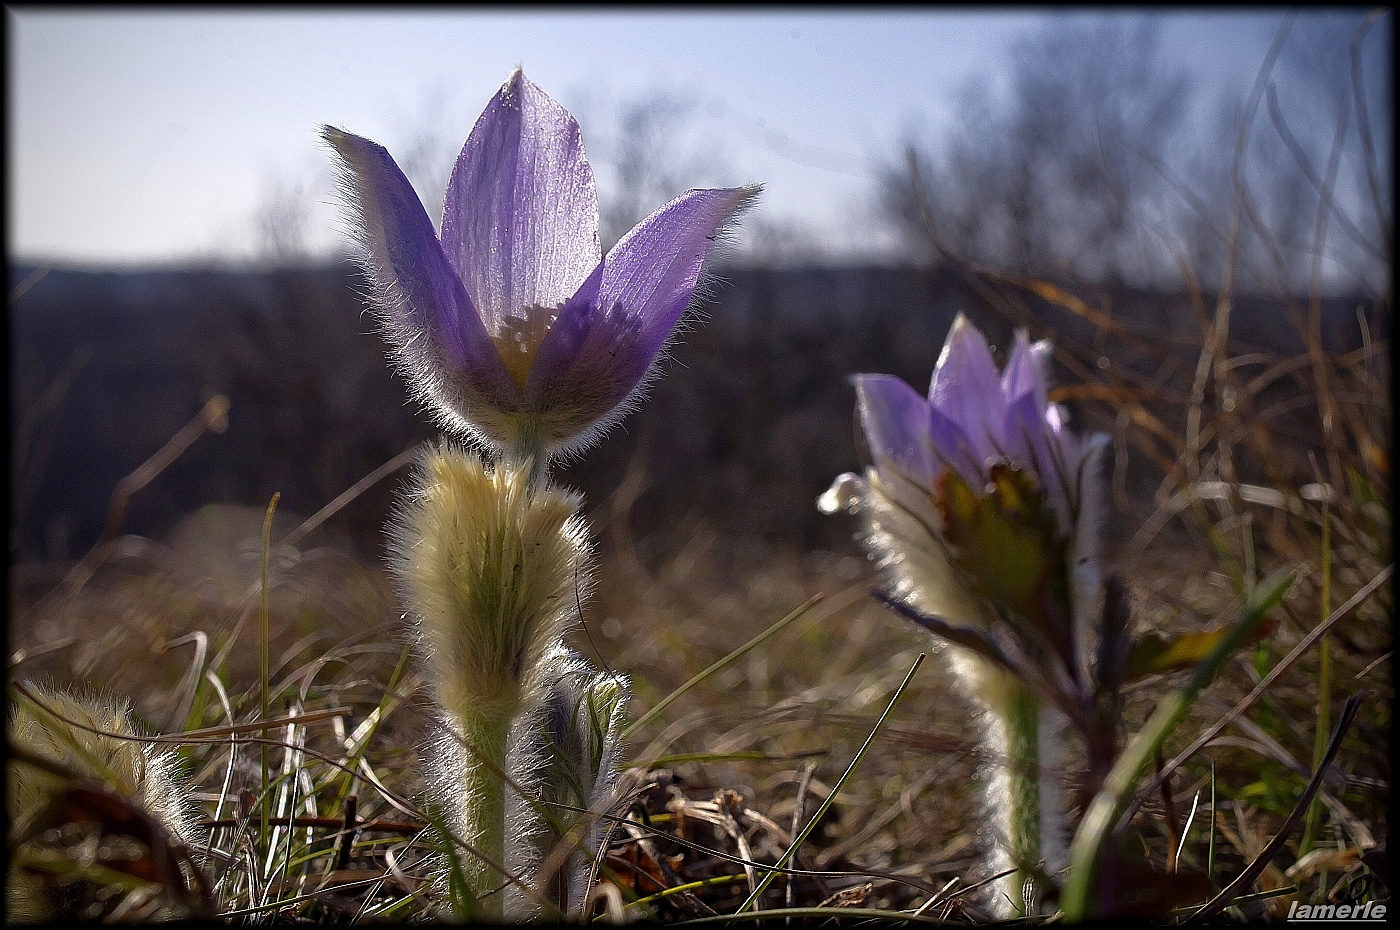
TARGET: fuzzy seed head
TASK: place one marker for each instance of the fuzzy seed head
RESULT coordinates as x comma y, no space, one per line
143,772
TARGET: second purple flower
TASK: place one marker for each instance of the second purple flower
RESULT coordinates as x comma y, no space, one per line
512,325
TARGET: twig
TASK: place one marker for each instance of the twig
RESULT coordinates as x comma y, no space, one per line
327,823
35,276
347,838
213,416
348,495
716,666
783,870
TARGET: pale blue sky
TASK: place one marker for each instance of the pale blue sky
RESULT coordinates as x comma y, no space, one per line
149,136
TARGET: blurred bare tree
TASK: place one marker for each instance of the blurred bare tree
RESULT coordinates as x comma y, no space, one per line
1314,155
282,221
1303,154
1098,163
429,146
648,150
766,241
1047,178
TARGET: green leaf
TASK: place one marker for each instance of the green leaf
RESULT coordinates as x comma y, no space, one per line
1090,847
1155,654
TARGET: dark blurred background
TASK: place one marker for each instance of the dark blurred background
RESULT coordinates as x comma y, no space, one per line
752,418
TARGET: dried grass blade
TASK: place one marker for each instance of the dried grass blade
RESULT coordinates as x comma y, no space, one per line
736,654
835,790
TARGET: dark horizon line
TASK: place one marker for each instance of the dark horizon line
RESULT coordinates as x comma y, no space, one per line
19,270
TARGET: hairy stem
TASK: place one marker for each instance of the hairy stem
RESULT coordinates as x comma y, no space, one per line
527,449
485,793
1021,719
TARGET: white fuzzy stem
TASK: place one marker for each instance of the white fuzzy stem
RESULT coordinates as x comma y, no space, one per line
485,809
1021,721
526,453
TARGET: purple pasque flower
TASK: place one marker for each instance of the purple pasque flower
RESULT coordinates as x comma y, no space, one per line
974,418
512,325
981,504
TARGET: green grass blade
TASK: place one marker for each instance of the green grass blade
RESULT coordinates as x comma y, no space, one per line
1210,850
1095,831
264,660
1324,686
465,907
689,886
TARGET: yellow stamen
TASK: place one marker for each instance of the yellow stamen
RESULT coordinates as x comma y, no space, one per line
518,338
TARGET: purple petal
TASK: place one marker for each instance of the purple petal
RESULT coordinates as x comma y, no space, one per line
651,272
967,390
587,365
896,423
520,221
1023,373
428,316
952,449
565,340
1041,350
609,332
1027,441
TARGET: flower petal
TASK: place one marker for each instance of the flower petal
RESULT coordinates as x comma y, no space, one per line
1025,371
1041,351
967,389
442,347
896,424
1028,444
911,553
952,448
588,364
565,340
520,221
651,272
608,334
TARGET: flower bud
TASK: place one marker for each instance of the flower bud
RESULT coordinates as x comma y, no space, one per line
57,728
